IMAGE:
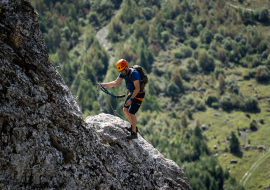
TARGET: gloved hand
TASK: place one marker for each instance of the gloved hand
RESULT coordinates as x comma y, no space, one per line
100,86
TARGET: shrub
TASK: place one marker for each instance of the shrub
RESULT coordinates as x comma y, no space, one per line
196,53
178,54
253,125
261,14
215,105
127,14
184,73
165,36
192,65
239,37
246,61
262,73
218,37
193,44
199,27
115,28
226,103
247,114
66,32
234,56
227,44
81,21
190,100
183,52
147,12
221,54
202,22
187,51
193,31
232,84
246,75
206,61
206,36
212,52
262,46
210,99
93,18
213,45
141,29
250,103
243,42
199,104
188,16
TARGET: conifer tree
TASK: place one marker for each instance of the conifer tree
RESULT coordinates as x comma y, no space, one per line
213,80
179,27
184,122
177,79
198,132
234,143
172,90
152,34
198,122
222,83
63,53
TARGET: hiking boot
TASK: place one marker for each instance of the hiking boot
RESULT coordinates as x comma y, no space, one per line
130,128
133,135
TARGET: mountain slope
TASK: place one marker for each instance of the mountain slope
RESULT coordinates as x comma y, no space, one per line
44,141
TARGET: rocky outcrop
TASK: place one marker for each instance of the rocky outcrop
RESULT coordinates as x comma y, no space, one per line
44,142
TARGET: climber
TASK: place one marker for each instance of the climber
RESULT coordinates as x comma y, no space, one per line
135,96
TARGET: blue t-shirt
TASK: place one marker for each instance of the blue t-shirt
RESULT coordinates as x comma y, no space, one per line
135,75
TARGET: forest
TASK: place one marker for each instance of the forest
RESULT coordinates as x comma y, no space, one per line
198,55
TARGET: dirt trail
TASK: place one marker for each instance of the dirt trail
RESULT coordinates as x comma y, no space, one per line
239,7
101,36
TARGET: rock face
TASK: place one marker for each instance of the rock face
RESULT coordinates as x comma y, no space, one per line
44,142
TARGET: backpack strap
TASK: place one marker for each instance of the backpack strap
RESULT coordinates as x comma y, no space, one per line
129,77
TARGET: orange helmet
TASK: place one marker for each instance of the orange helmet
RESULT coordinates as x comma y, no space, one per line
121,64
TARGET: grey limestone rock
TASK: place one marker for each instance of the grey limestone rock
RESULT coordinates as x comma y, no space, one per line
217,114
44,141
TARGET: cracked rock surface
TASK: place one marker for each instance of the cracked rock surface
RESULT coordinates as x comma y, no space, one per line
44,142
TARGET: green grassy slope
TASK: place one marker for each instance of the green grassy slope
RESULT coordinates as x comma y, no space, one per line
191,50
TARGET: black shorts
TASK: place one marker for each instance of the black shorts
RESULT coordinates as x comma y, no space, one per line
136,103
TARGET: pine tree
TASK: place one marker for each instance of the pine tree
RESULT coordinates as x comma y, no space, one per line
198,132
152,34
184,122
177,79
213,80
193,29
198,122
179,27
172,90
63,53
234,143
222,84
